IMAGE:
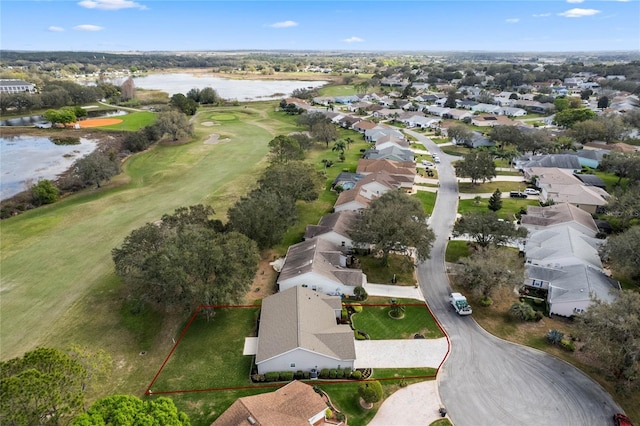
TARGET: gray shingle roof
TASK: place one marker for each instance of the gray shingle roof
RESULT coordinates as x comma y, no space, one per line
557,214
302,318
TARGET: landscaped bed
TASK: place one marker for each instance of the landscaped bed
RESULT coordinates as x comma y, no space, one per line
377,322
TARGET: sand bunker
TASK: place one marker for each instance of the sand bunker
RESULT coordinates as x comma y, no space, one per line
97,122
214,139
210,123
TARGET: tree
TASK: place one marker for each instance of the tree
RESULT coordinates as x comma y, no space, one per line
568,117
44,192
173,123
623,209
284,149
393,219
208,96
461,134
128,90
185,261
488,269
603,102
131,410
486,229
309,119
587,131
137,141
183,104
61,116
296,179
324,131
95,168
452,96
264,216
495,201
611,332
623,165
44,386
561,104
623,252
370,391
476,165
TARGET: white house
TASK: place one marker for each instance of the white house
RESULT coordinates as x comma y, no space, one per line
334,227
557,215
299,330
321,266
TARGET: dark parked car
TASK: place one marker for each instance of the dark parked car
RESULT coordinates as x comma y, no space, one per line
517,194
620,419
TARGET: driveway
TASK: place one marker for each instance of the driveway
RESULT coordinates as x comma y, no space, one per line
416,404
486,380
405,353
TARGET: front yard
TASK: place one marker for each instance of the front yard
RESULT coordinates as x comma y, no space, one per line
378,323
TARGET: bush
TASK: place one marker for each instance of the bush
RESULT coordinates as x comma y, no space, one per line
257,378
306,375
324,373
360,293
538,316
486,301
356,375
522,311
340,374
333,373
370,391
344,314
272,376
360,335
567,345
299,375
554,336
346,372
286,376
357,308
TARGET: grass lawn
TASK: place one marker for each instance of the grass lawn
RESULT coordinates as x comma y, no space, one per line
510,206
376,322
400,266
455,150
210,353
132,121
490,187
456,250
440,141
428,200
337,90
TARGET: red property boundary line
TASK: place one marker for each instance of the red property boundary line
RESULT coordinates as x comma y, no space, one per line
148,391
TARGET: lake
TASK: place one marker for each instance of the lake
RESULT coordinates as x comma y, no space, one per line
242,90
24,160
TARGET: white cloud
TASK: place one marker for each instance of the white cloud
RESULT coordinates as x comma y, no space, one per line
55,29
88,27
579,13
541,15
284,24
353,39
575,1
512,20
111,4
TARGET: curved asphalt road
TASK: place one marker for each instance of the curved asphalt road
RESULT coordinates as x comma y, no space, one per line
486,380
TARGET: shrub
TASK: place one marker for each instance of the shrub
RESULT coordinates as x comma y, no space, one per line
360,293
370,391
333,373
346,372
486,301
567,345
306,375
344,314
324,373
356,375
340,374
538,316
286,376
357,308
360,335
554,336
299,375
257,378
272,376
522,311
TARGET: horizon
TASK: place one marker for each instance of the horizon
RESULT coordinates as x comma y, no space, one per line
349,26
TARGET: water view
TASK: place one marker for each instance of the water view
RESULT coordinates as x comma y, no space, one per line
24,160
242,90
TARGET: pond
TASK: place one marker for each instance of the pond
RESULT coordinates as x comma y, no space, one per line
24,160
241,90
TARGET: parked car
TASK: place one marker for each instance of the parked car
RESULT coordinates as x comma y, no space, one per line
427,163
531,191
620,419
517,194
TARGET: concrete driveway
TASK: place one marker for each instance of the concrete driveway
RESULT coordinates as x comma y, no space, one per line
417,404
406,353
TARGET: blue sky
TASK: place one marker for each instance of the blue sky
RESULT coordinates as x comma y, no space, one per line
357,25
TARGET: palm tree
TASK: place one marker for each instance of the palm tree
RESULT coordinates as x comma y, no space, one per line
349,141
339,146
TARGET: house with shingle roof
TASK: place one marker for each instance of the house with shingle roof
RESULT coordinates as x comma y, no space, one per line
405,168
394,153
562,214
568,162
321,266
387,141
363,125
294,404
351,200
334,227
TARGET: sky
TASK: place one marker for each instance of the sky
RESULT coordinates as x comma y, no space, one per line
348,25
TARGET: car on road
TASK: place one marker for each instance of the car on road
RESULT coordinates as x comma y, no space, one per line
436,159
620,419
517,194
531,191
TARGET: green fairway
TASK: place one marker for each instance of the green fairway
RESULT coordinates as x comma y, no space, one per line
56,259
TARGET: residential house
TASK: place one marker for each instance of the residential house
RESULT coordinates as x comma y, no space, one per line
372,135
562,214
458,114
346,180
394,153
321,266
421,122
16,86
465,104
345,100
357,106
487,108
363,125
323,100
591,157
348,121
492,120
477,140
568,162
437,110
385,113
389,141
295,404
351,200
299,331
512,112
334,227
394,168
534,106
